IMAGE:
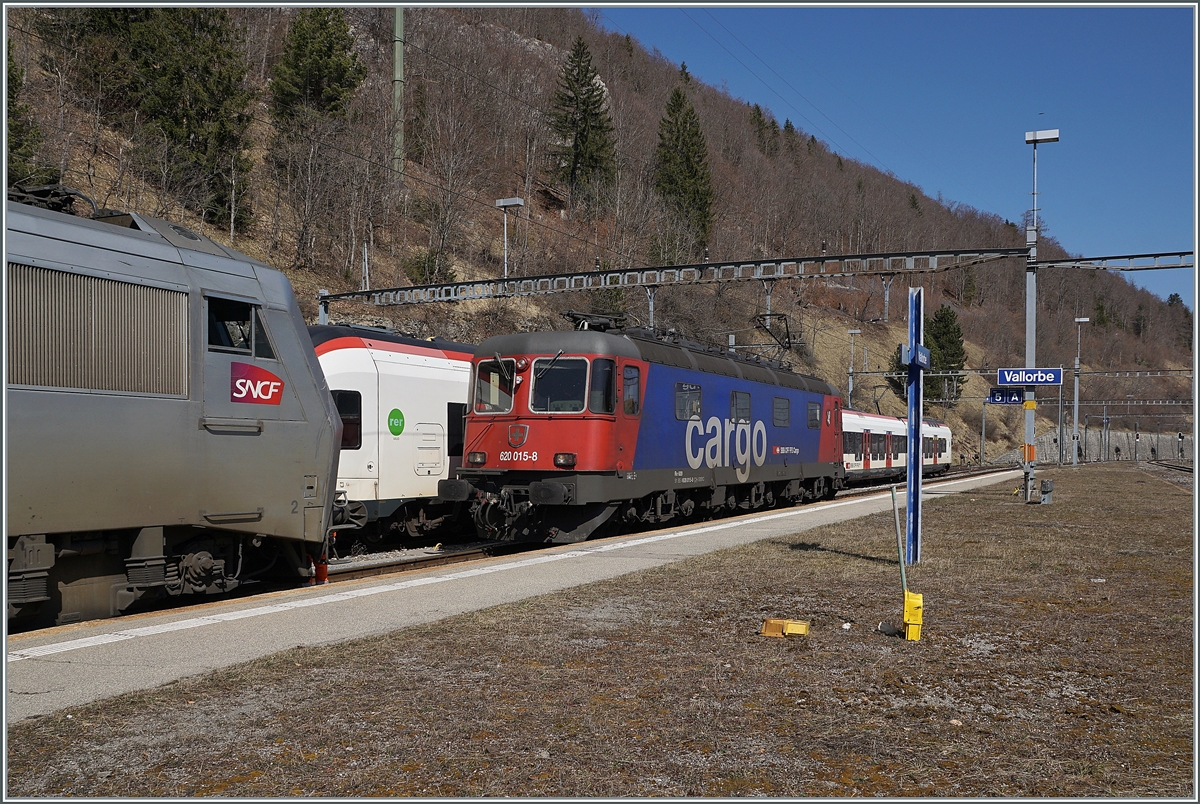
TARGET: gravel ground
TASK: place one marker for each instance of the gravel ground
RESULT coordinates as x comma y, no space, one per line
1055,660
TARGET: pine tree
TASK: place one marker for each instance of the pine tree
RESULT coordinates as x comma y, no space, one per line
944,338
24,137
681,174
766,131
172,78
585,155
318,70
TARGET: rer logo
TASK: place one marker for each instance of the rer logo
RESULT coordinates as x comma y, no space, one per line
254,385
396,422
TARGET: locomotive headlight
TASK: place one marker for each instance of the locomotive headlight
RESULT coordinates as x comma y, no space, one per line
522,364
477,457
564,459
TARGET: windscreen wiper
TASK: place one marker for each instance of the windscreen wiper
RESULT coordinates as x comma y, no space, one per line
503,368
546,368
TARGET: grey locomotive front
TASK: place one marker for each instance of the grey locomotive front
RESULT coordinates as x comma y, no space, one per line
169,427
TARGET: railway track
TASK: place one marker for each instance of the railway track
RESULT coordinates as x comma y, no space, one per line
1176,465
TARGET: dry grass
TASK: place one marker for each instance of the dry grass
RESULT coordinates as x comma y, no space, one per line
1055,661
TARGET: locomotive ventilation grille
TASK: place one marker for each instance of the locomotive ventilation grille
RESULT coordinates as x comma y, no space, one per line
81,332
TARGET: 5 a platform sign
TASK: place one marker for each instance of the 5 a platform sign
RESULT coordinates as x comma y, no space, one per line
1006,396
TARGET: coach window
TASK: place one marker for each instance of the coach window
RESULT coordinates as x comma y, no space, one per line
781,412
687,401
559,384
632,390
603,396
852,444
493,386
739,406
814,416
349,407
877,446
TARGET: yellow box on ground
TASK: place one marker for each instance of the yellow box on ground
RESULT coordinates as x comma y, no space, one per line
778,627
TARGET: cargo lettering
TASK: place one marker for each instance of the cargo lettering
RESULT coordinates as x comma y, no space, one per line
254,385
729,444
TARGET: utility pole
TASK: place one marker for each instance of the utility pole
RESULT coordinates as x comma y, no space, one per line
1079,322
1028,457
398,95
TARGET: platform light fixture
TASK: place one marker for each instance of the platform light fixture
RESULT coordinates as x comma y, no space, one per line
504,204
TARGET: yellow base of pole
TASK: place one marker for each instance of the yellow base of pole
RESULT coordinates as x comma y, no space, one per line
914,605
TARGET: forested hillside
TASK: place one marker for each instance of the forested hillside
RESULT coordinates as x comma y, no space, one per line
273,130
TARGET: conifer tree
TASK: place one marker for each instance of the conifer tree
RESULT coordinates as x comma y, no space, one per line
24,137
947,354
318,70
172,79
681,174
585,155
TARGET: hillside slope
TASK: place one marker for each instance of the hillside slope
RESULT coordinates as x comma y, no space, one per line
479,91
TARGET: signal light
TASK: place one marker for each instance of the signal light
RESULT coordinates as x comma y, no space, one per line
477,457
564,459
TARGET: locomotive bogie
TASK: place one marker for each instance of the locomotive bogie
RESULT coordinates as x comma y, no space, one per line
159,395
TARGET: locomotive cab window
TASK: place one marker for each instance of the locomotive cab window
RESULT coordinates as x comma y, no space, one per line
349,407
602,398
687,401
632,390
494,386
814,416
739,406
781,412
237,327
559,385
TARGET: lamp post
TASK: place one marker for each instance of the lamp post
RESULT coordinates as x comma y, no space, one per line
850,383
1028,455
504,204
1079,322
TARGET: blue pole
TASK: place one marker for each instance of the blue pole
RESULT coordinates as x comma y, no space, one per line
918,357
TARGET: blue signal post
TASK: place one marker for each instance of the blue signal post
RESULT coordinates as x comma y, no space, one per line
917,357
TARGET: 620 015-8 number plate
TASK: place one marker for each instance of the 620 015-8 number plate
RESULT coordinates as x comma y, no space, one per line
518,455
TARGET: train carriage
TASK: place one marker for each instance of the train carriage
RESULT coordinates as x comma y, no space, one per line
875,447
402,401
169,430
568,431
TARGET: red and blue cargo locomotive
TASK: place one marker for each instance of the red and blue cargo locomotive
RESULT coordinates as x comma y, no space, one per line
568,432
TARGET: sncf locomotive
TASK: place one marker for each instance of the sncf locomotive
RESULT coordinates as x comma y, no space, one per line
169,429
876,447
569,431
402,402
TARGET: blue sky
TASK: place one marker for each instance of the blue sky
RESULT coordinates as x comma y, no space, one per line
942,97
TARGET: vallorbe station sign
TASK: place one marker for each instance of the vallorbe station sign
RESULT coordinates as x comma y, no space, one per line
1029,376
